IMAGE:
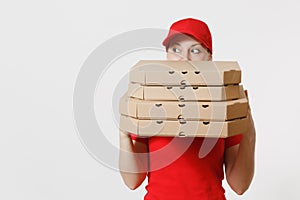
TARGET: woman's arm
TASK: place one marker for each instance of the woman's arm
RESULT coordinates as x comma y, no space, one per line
239,160
133,166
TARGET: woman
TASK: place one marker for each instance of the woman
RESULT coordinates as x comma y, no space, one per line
190,176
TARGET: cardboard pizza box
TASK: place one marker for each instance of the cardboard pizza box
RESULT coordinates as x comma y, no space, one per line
184,93
183,128
163,72
194,110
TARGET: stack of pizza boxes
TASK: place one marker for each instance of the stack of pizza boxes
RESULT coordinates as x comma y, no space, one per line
184,98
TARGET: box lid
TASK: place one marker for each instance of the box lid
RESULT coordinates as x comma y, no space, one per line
184,93
186,128
193,110
164,72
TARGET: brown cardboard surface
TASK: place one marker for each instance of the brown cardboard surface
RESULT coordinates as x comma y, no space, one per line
186,93
183,128
162,72
211,111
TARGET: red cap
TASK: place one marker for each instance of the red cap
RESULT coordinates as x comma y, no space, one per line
192,27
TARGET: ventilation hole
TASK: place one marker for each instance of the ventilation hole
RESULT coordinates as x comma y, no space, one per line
169,87
159,122
205,106
197,72
205,123
181,105
181,98
158,104
181,134
184,72
182,121
171,72
195,88
182,87
183,82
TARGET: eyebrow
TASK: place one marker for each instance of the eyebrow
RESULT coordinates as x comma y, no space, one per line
195,44
176,43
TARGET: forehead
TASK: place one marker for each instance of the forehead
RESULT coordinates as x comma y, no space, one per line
183,39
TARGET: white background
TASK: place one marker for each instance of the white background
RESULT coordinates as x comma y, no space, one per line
43,45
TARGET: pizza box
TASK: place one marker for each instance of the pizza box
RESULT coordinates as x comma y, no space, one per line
193,110
184,93
163,72
182,127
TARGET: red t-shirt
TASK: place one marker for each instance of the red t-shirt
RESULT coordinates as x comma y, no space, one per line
186,168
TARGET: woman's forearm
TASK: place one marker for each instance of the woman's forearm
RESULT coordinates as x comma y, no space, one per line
133,161
240,175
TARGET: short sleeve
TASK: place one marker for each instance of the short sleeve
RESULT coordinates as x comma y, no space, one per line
139,139
233,140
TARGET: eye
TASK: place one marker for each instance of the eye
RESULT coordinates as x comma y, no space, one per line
195,51
176,50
